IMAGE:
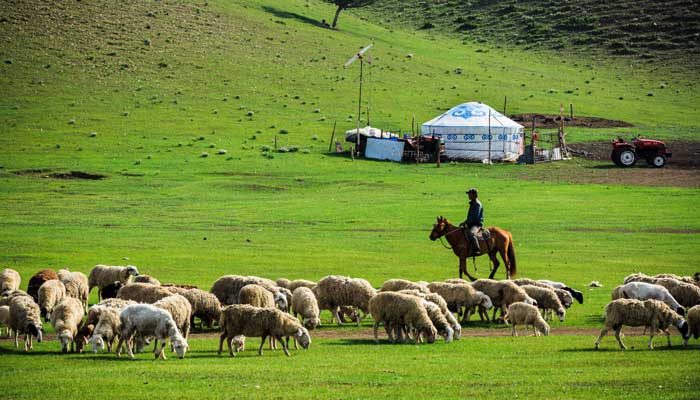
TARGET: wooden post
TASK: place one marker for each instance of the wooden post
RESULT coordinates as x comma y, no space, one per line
275,142
332,137
505,103
413,124
418,149
437,151
532,140
571,110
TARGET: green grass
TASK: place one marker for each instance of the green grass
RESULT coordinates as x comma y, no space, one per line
155,108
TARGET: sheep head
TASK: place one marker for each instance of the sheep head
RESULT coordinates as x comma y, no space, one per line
131,270
97,343
180,346
302,336
561,313
66,337
311,323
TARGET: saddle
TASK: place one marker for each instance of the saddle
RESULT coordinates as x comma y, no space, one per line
484,234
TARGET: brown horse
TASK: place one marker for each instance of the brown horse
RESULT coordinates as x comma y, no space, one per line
500,242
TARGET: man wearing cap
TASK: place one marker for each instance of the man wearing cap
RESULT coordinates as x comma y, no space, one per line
474,221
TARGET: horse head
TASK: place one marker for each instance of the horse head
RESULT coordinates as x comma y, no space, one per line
439,229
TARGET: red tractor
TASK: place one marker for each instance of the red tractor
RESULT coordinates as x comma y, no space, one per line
625,154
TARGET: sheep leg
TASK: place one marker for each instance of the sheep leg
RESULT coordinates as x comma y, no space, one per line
668,337
262,343
284,346
603,332
16,339
161,352
336,316
375,328
221,342
619,340
514,333
118,351
230,349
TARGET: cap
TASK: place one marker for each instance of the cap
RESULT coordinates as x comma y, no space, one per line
472,190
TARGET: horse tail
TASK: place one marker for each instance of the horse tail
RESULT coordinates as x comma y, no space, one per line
511,257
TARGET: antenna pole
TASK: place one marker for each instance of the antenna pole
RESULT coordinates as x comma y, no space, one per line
359,109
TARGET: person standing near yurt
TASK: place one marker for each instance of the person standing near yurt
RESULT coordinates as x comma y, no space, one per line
474,221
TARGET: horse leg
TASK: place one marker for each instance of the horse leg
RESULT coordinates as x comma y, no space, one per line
463,269
496,264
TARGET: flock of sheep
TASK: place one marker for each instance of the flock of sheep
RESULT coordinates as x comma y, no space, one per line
137,309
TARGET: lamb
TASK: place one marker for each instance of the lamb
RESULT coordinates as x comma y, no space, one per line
398,310
645,291
180,309
50,294
226,288
5,319
66,318
335,291
110,291
300,282
693,324
205,306
146,279
9,280
256,296
25,318
103,275
559,285
143,292
395,285
687,295
76,285
37,280
147,320
458,295
246,320
502,294
105,322
633,312
546,299
520,313
304,303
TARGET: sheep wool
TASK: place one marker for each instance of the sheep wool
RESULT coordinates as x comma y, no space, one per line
147,320
5,319
66,318
103,275
50,294
399,312
227,287
304,303
9,280
693,324
37,280
256,296
205,305
520,313
395,285
300,282
76,284
180,309
25,318
336,291
547,300
143,292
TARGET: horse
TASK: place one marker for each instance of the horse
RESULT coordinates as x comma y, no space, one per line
500,242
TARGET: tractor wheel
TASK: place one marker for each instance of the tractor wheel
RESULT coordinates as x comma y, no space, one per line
615,156
657,161
626,158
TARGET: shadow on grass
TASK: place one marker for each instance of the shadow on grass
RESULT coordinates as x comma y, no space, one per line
290,15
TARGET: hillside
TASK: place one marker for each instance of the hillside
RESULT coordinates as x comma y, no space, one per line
664,32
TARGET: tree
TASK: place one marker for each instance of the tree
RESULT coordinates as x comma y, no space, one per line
343,4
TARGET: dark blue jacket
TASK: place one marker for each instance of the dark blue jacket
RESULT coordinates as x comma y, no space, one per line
475,216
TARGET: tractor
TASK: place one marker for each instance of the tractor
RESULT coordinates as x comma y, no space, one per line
626,154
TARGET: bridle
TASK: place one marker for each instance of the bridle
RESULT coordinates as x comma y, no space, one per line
445,234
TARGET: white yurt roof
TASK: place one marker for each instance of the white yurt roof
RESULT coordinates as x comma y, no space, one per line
470,115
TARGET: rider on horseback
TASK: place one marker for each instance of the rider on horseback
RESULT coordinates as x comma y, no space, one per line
474,221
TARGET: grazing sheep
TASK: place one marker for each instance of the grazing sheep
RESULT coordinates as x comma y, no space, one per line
103,275
520,313
645,291
559,285
693,324
226,288
146,279
440,302
179,285
9,280
693,280
180,309
246,320
37,280
686,294
300,282
6,297
110,291
461,298
256,296
438,319
50,294
104,320
564,297
502,294
639,277
334,291
632,312
5,319
304,303
282,282
205,305
527,281
25,318
66,318
143,292
400,311
396,285
76,285
547,300
147,320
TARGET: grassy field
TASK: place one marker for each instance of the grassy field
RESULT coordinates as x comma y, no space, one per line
139,93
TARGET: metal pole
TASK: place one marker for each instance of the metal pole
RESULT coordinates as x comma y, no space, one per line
489,135
359,111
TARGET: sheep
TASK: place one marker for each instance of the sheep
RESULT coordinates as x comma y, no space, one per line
5,319
502,294
686,294
282,282
143,292
693,324
9,280
205,305
147,320
639,277
693,280
146,279
104,320
110,291
304,303
527,281
25,318
37,280
395,285
246,320
6,297
645,291
66,318
300,282
438,319
226,288
459,295
559,285
180,309
334,291
399,310
564,297
440,302
520,313
546,299
633,312
103,275
256,296
76,285
50,294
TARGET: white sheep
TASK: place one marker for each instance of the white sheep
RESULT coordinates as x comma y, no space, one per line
147,320
76,284
335,291
693,324
396,285
399,312
5,319
632,312
9,280
547,300
50,294
25,318
103,275
304,303
66,318
645,291
249,321
520,313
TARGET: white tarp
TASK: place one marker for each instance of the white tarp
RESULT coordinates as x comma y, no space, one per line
367,131
465,130
384,149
